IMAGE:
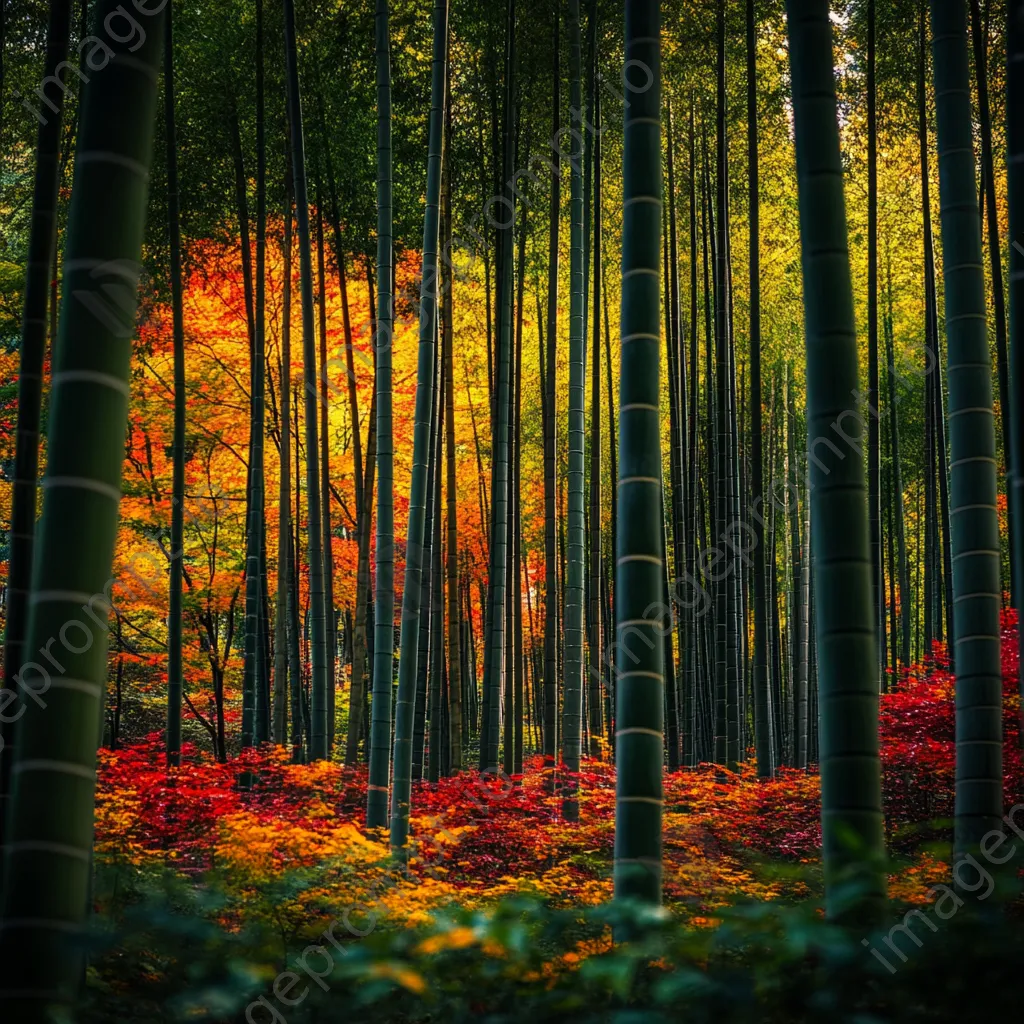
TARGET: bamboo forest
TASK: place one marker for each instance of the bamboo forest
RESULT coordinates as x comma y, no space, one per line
511,511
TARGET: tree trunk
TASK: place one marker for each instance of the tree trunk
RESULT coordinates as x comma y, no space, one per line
1015,191
671,300
325,483
174,672
640,669
898,496
318,636
448,344
296,663
497,581
698,603
572,711
516,635
979,35
874,506
45,896
976,559
850,768
283,637
411,591
384,602
435,589
596,644
727,741
938,493
361,653
250,633
797,623
424,648
551,611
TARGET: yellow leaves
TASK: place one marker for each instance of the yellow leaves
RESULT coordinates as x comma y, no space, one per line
455,938
415,901
400,974
573,958
913,883
426,826
263,848
320,775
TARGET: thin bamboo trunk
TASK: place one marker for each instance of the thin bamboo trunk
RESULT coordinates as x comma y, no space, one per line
411,592
435,591
419,735
874,500
699,596
727,740
455,685
1015,194
296,663
175,679
325,483
894,440
596,642
551,608
797,623
979,36
384,596
283,637
318,637
497,580
572,711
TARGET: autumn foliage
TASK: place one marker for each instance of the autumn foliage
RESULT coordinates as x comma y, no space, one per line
258,817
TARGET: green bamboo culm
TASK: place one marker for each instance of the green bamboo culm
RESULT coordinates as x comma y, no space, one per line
174,671
550,730
49,841
727,741
497,583
282,640
384,598
1015,191
256,558
639,665
762,727
317,610
974,522
30,385
412,590
253,717
572,709
851,798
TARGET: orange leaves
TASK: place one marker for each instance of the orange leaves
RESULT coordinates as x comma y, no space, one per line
477,841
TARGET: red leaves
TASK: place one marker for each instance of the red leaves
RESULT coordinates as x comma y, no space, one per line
489,834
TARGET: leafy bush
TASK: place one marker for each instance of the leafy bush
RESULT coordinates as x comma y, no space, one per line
166,957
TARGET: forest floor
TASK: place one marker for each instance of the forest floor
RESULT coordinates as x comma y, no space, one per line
296,840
